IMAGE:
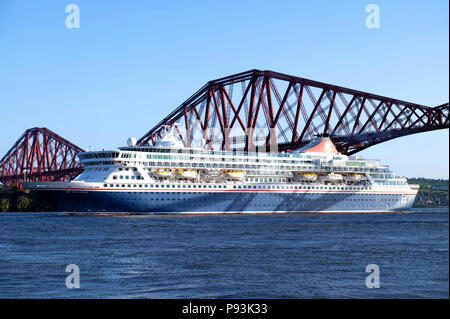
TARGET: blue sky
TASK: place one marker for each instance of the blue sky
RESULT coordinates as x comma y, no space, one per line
131,62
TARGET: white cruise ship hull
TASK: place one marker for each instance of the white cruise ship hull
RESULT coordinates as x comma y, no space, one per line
71,197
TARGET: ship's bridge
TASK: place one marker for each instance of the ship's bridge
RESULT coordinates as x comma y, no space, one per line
170,140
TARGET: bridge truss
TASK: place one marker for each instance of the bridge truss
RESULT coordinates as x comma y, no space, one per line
264,108
40,155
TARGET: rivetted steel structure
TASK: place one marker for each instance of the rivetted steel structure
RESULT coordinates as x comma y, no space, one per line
40,155
246,110
258,108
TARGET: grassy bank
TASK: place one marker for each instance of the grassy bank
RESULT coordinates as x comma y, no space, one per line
432,192
15,200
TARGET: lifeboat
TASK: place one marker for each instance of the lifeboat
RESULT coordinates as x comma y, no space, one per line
307,176
353,177
186,173
332,177
162,172
233,174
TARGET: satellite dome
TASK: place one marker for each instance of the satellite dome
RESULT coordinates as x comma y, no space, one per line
131,142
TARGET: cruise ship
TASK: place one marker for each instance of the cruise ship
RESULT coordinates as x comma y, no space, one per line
171,178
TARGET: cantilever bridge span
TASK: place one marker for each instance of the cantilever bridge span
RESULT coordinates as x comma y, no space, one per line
258,108
254,109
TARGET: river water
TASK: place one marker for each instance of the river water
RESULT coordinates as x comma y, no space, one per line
225,256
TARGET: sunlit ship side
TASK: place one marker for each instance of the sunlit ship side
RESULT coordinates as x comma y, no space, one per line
170,178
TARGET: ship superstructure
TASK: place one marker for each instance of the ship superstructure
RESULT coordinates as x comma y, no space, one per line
171,178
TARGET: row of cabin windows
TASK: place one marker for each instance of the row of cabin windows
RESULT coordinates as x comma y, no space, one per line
267,180
180,196
269,197
98,155
126,169
368,196
266,187
390,182
239,166
127,177
96,169
283,199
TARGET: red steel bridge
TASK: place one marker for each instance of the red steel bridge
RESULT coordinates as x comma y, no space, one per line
254,109
258,108
40,155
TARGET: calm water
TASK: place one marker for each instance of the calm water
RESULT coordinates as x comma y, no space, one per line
240,256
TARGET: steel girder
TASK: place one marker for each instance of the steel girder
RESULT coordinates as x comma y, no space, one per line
267,109
40,155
